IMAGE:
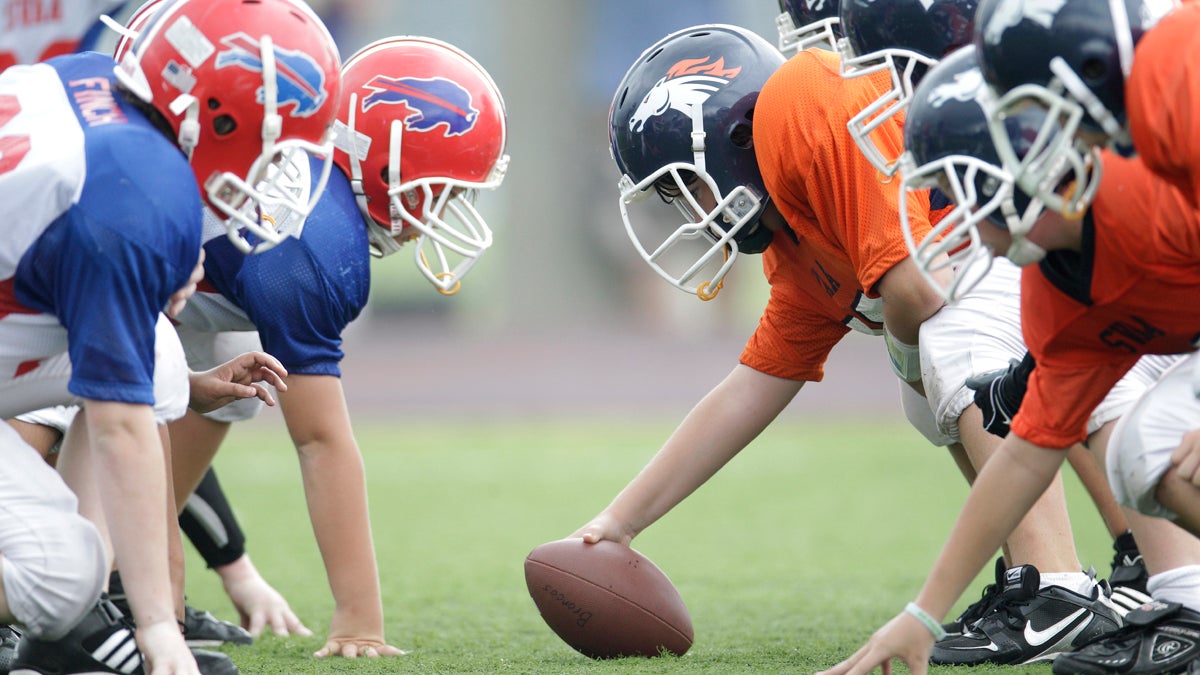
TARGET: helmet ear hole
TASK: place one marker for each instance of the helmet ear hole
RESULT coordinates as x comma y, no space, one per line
742,136
1094,69
224,125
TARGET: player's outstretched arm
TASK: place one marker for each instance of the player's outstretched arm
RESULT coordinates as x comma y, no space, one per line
314,409
721,424
238,378
1006,488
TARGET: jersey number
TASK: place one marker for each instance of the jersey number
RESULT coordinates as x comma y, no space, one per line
12,148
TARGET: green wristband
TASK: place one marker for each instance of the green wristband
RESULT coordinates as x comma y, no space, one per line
926,620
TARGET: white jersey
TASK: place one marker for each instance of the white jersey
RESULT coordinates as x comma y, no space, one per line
36,30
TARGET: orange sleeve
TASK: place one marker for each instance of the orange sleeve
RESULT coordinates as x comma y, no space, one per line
829,193
814,302
1162,99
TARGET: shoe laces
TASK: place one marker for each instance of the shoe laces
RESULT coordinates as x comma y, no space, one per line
982,607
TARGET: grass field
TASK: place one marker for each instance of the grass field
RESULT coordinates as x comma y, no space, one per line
788,560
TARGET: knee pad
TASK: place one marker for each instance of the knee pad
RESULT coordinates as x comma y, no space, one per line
54,576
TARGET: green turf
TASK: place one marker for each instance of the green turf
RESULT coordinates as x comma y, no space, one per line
788,560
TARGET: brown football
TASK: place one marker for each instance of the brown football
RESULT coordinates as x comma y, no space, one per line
607,600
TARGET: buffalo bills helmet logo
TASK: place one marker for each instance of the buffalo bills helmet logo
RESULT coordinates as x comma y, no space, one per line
687,84
432,101
966,86
298,77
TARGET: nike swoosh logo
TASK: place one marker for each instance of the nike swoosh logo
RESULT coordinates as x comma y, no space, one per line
1038,638
990,646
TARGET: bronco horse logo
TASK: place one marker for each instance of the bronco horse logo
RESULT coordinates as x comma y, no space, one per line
687,84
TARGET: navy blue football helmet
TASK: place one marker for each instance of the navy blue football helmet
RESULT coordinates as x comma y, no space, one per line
1070,57
948,146
679,127
808,23
904,38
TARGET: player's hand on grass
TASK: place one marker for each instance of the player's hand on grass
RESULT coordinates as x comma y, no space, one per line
351,648
258,604
902,638
238,378
164,651
1186,458
604,527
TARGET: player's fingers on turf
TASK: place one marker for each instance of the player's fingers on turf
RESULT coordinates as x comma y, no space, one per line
291,623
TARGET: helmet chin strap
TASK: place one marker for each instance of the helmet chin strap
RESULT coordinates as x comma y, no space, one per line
697,115
1023,252
272,127
189,127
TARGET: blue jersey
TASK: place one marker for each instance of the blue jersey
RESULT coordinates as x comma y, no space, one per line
102,221
299,295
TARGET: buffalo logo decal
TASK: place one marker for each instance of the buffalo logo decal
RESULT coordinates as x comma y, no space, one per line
298,77
432,101
687,84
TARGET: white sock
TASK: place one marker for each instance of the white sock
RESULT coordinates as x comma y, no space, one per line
1181,585
1077,582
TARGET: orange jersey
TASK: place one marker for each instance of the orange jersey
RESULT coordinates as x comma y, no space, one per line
1087,317
1162,99
842,211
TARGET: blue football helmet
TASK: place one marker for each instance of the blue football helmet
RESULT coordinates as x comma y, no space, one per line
1070,57
808,23
904,38
679,126
949,147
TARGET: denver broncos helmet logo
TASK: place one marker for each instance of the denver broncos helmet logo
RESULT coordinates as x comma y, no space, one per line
298,77
1009,14
965,87
687,84
433,101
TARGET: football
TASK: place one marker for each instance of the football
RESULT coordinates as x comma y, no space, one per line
607,600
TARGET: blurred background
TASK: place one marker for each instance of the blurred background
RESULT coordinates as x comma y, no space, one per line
561,315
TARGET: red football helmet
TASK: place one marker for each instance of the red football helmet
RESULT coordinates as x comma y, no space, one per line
421,129
243,83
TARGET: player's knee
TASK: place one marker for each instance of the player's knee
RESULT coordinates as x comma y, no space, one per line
1135,470
51,582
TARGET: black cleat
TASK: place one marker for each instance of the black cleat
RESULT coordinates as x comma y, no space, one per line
100,643
201,629
214,663
1160,637
1128,570
980,607
9,637
1028,624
